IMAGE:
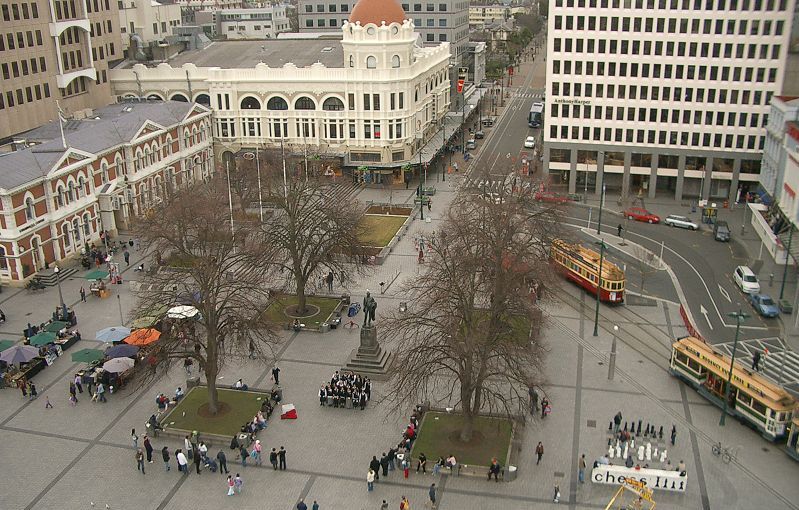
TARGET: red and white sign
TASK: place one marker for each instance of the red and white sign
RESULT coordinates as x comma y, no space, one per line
460,86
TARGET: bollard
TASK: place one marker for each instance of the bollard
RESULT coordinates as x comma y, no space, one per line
771,279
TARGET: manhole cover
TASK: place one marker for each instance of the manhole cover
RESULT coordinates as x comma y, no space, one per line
559,474
591,424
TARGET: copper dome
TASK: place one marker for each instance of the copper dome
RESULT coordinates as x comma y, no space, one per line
377,11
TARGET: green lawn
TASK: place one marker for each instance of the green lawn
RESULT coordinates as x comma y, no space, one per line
242,406
275,312
379,230
438,437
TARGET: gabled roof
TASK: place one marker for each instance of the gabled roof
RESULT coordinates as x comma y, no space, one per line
108,127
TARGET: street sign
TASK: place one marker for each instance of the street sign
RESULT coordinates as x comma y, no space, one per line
460,85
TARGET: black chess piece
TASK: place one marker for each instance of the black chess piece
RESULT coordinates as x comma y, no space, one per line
640,422
610,441
625,426
610,425
660,433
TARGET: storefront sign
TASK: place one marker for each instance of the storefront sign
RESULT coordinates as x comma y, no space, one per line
656,479
572,101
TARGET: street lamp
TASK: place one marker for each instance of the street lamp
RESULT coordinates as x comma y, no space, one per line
601,204
787,254
602,247
739,317
612,363
61,304
250,156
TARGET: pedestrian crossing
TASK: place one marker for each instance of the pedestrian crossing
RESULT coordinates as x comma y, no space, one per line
529,95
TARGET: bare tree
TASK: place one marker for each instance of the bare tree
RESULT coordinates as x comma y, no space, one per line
645,263
471,336
312,231
208,266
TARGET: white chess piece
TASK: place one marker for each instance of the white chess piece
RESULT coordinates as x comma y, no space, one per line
618,451
663,455
655,453
648,451
632,444
626,451
641,452
611,450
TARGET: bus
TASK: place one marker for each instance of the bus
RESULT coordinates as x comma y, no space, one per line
535,119
581,265
753,399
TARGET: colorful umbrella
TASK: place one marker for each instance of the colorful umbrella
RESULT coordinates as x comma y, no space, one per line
144,322
97,274
87,355
117,365
122,351
42,338
182,312
19,354
5,344
113,334
143,337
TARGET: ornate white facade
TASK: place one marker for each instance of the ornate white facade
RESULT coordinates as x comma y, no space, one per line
375,107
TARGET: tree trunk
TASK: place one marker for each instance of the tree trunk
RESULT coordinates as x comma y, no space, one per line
211,371
467,393
301,298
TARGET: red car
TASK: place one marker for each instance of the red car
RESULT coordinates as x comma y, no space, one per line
550,196
641,214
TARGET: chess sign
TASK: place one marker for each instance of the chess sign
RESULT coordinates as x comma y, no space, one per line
655,479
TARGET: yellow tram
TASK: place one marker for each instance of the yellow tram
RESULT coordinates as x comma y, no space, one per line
753,399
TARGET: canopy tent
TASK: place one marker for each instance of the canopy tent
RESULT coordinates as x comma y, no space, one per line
182,312
5,344
122,351
19,354
118,365
96,274
113,334
42,338
142,337
56,326
87,355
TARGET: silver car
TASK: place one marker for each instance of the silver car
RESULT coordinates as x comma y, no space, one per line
674,220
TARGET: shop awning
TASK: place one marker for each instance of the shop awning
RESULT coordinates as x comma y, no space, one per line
450,127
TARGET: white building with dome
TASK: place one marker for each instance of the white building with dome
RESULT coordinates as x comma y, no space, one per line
372,98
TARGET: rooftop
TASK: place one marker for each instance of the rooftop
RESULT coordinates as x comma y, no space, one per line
108,127
272,52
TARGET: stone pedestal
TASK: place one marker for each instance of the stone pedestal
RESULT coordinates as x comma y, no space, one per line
369,358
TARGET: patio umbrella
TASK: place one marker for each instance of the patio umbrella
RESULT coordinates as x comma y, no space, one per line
87,355
19,354
42,338
113,334
117,365
5,344
97,274
143,337
122,351
56,326
182,312
144,322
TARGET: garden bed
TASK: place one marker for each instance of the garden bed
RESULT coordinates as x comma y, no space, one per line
281,311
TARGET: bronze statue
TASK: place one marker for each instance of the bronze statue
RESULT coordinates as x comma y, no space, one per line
369,308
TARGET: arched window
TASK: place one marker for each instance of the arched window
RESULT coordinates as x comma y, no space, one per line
169,145
146,157
333,104
76,229
71,192
395,61
250,103
277,103
59,196
304,103
371,62
154,97
352,61
186,138
3,259
81,189
416,95
179,97
30,210
156,152
120,164
104,172
195,135
87,225
204,99
65,232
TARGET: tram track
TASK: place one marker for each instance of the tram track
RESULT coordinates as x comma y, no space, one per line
656,355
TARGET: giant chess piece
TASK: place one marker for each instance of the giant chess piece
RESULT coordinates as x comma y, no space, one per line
641,452
663,455
625,426
626,451
648,452
618,451
611,451
640,422
610,425
660,433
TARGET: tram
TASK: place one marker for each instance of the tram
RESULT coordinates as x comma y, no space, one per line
581,265
753,399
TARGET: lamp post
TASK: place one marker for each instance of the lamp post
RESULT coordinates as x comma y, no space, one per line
121,318
446,149
230,199
739,317
285,181
612,363
250,156
787,254
601,204
61,303
602,247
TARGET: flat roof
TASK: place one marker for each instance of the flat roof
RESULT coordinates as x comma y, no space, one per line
272,52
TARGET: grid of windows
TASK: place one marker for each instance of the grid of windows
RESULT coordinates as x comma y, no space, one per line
689,73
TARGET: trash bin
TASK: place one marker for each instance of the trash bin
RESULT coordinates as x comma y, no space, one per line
192,382
511,473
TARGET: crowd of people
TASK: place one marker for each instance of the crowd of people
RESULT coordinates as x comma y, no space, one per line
346,387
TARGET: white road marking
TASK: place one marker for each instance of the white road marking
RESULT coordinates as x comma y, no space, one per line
703,311
725,293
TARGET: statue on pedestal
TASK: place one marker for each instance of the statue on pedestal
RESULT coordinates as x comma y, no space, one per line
369,308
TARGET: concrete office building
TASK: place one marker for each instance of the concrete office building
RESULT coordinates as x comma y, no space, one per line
52,51
662,95
784,112
150,20
436,21
257,23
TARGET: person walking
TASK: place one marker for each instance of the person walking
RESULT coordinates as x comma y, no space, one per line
230,485
384,464
494,469
222,460
581,469
556,497
276,375
148,448
101,392
619,229
673,434
539,451
127,257
47,404
301,505
165,456
370,480
384,506
32,391
73,393
432,494
198,460
545,408
315,505
257,449
183,462
374,465
330,281
273,458
405,504
82,295
238,481
243,454
281,455
134,438
78,383
140,460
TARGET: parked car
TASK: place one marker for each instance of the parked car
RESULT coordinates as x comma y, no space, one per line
721,231
479,135
488,122
471,144
550,196
746,280
641,214
674,220
529,142
764,305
